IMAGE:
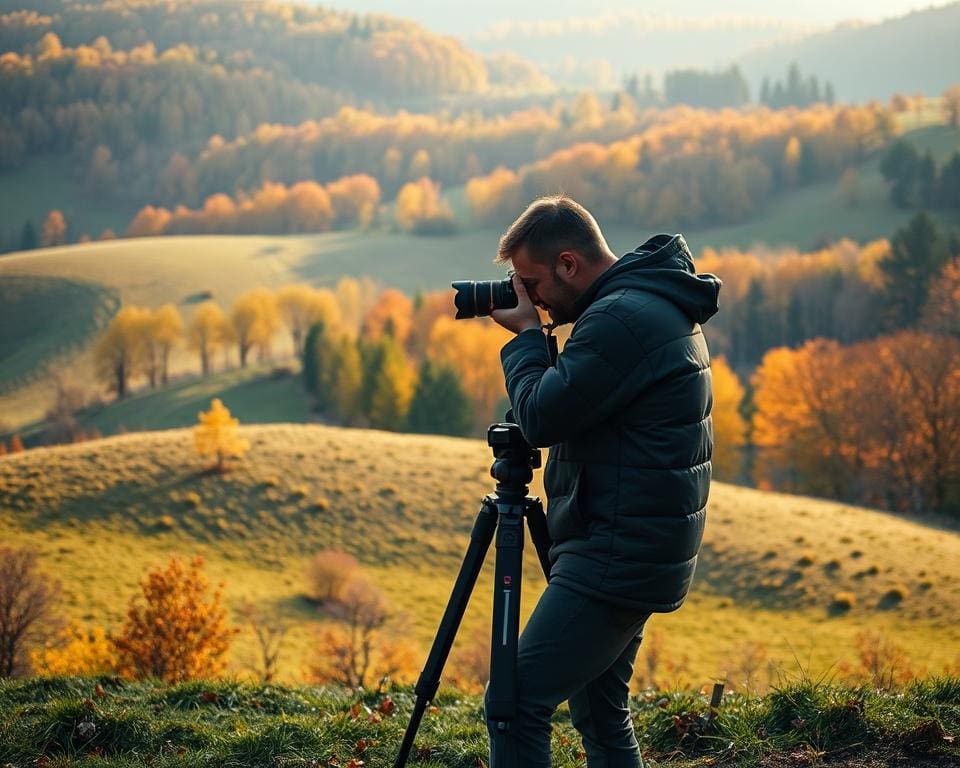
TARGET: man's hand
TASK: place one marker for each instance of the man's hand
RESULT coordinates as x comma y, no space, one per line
522,317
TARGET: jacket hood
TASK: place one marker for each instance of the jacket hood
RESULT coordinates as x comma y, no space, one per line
664,266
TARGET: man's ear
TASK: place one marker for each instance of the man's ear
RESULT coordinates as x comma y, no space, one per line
567,264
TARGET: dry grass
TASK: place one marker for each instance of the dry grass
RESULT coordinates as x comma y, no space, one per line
102,512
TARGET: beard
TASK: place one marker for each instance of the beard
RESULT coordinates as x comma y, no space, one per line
562,308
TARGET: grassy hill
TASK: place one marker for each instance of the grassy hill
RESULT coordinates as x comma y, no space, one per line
181,270
100,513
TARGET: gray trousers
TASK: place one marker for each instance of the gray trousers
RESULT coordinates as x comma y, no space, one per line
581,650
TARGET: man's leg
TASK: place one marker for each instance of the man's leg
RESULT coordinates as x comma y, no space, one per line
569,641
599,711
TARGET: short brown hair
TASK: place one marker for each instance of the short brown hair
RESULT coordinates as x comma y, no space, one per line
549,226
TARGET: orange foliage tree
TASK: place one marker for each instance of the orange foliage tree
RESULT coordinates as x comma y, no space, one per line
729,426
178,631
392,314
472,349
54,230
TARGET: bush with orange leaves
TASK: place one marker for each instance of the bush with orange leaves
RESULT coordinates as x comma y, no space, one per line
357,651
176,630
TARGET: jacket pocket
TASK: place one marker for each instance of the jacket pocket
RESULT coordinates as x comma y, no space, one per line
565,515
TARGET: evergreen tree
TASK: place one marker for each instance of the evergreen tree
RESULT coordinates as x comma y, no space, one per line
439,406
949,185
901,168
319,371
917,253
348,380
927,180
28,237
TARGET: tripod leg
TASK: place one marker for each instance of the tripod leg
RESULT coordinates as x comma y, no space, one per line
501,694
537,522
429,680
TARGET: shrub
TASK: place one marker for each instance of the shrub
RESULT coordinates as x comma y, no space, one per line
843,601
77,651
328,574
177,632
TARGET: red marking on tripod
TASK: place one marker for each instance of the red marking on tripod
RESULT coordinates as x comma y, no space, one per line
507,581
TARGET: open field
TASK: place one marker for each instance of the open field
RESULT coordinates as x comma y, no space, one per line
100,513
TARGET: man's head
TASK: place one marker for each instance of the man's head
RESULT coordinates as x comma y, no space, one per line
557,249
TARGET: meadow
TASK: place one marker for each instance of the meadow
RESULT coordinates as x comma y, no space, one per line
102,512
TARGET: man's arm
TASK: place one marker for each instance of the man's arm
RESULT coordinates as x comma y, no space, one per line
601,369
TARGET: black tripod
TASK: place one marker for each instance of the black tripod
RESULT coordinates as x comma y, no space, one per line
503,512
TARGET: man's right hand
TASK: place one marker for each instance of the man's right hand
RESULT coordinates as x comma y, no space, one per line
522,317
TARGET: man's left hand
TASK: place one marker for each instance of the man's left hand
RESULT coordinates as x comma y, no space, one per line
522,317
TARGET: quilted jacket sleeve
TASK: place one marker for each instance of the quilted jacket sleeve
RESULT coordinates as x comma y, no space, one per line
602,368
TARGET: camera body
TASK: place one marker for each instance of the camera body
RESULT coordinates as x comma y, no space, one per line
476,298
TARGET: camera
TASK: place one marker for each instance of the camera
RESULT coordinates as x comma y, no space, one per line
477,298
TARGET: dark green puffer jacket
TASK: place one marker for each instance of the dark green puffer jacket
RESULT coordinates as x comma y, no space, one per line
626,410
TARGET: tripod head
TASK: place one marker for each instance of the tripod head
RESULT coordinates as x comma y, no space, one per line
514,458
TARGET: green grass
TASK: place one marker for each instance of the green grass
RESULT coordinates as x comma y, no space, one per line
111,723
32,312
101,513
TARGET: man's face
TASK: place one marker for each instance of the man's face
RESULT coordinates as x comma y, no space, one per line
546,286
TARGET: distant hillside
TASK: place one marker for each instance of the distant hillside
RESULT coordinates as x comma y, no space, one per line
908,54
404,505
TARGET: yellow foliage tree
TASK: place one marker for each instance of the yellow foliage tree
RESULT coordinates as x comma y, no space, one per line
216,435
79,652
164,330
472,349
209,331
177,631
255,319
121,350
421,209
301,306
394,383
729,427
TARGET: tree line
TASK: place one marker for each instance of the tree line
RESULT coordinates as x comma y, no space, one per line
702,168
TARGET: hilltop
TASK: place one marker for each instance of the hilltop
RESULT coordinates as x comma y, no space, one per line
101,512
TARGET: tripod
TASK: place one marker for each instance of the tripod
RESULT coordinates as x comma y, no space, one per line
502,513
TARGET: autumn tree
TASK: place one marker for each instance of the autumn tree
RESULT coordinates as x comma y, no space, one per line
54,231
328,573
729,426
347,382
217,435
942,311
439,405
421,209
300,306
389,382
209,331
357,652
27,600
121,350
951,106
176,629
163,331
254,319
472,349
391,315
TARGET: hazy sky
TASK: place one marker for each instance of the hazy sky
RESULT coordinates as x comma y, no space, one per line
468,19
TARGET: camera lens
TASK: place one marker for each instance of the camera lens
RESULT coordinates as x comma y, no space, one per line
476,298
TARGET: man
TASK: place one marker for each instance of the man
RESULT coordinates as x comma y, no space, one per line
626,413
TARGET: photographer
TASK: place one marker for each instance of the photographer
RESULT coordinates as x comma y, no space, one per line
625,409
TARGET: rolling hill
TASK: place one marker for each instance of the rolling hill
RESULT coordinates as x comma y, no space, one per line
915,53
180,270
102,512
